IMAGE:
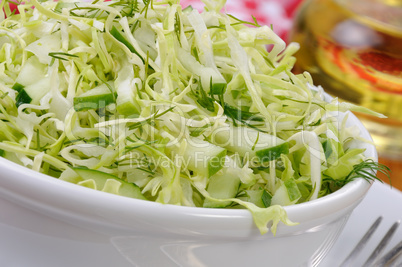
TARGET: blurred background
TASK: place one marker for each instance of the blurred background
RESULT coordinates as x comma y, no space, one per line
353,49
279,13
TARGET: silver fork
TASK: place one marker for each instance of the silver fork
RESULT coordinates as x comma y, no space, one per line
389,259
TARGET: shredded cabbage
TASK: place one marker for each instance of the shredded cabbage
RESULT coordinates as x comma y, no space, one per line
139,89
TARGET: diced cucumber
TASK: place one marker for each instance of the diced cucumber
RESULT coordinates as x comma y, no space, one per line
126,102
255,146
261,198
22,98
31,72
32,93
38,90
293,189
31,83
201,156
128,107
18,87
105,182
98,97
287,194
222,186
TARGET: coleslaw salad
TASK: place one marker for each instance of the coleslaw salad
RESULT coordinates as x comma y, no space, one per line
148,100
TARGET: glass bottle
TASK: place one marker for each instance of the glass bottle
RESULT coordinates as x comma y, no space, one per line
353,48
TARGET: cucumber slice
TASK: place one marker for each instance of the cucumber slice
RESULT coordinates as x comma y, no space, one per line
255,146
105,182
98,97
201,156
205,158
293,190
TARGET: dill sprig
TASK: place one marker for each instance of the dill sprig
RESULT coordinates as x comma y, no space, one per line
300,101
99,141
177,27
92,12
148,4
237,115
151,119
58,55
242,116
239,21
197,131
366,169
130,7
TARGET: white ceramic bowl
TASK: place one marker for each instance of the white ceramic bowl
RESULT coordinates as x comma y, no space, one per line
152,234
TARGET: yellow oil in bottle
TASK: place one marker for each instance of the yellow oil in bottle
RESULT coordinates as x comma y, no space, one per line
353,48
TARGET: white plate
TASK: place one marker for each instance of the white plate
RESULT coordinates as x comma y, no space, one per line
41,241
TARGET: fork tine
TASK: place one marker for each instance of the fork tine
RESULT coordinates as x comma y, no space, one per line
388,258
355,252
385,240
